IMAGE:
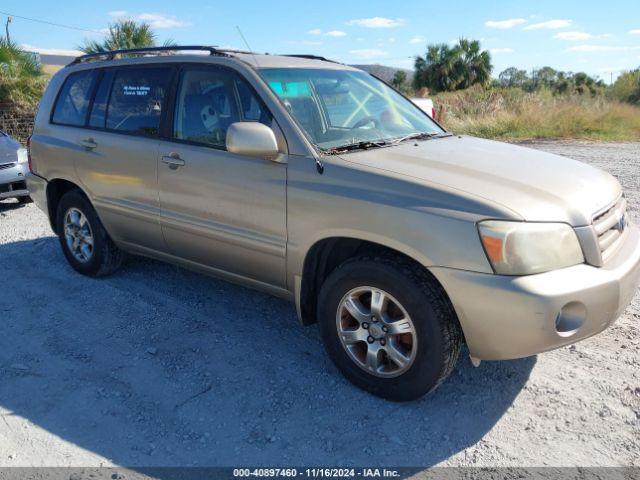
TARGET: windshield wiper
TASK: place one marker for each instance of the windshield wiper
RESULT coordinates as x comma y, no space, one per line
360,145
367,144
417,135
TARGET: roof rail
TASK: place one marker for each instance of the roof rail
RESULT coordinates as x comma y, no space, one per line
111,54
310,57
244,52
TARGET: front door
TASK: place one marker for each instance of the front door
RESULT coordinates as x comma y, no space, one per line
220,209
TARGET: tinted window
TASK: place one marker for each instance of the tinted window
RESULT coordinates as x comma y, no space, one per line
251,108
99,109
73,100
137,100
209,101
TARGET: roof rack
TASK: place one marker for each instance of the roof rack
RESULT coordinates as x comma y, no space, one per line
111,54
310,57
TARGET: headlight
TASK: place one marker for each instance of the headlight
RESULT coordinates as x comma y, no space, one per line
520,248
23,157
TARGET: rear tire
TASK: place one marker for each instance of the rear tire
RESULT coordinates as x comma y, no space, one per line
436,338
84,241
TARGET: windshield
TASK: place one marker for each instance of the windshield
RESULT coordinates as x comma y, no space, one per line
344,107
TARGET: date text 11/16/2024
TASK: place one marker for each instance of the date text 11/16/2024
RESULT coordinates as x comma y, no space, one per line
316,472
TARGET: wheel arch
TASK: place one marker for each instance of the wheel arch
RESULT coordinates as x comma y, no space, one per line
56,189
328,253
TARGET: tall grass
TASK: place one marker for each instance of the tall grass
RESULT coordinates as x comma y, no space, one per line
512,114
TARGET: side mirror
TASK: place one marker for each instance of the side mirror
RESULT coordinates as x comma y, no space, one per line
252,139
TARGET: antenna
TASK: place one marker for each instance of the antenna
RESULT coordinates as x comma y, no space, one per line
247,45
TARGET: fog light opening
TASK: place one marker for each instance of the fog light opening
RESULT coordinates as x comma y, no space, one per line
570,319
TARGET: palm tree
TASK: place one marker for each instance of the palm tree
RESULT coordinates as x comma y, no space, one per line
436,70
399,79
124,34
22,80
446,68
473,64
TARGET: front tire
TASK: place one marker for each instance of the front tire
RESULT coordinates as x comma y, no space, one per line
389,327
85,242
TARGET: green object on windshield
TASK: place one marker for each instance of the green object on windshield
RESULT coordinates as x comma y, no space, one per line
290,89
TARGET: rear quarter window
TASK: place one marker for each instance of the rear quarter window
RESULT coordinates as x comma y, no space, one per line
74,97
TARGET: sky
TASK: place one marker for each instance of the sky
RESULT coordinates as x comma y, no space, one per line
600,38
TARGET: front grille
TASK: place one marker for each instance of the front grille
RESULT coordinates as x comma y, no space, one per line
609,227
4,166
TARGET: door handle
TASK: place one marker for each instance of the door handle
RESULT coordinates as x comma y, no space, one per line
173,160
88,143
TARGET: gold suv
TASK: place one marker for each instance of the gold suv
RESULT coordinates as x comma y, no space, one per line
319,183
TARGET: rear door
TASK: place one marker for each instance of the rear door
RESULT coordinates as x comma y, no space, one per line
119,163
221,209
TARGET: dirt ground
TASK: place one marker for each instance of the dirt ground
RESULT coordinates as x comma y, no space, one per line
156,366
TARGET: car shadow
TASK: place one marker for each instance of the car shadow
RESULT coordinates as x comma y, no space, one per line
10,204
159,366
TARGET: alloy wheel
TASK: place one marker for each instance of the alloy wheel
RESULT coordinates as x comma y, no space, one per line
376,331
78,235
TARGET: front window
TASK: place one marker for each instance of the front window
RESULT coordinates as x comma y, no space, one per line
209,101
342,107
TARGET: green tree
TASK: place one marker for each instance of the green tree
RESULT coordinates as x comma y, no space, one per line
626,88
473,64
436,70
556,81
584,84
446,68
513,77
545,77
574,84
22,80
124,34
399,79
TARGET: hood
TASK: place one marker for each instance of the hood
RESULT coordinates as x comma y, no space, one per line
536,186
8,149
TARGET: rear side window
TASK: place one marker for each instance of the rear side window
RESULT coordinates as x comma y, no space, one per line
73,99
137,100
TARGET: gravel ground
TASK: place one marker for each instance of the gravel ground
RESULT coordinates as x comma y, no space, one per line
156,366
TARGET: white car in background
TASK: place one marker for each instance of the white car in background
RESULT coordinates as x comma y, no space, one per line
426,105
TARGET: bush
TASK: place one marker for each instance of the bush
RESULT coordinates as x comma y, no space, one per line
22,81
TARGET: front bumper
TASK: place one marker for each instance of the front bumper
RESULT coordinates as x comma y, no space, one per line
13,181
511,317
